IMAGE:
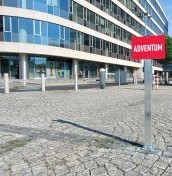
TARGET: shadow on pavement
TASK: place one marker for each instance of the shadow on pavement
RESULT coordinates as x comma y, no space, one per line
99,132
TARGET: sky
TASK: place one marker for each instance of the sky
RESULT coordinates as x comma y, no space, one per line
167,7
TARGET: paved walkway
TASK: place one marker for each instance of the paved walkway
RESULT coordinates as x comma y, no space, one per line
90,132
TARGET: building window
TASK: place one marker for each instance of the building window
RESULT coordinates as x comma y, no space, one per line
64,8
37,32
53,34
14,24
10,3
62,32
62,36
7,28
1,28
44,32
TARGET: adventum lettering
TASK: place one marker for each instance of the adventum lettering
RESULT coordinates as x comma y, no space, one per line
148,48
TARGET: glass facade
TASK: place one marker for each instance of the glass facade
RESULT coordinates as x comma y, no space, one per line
25,30
84,16
89,69
90,19
44,33
54,7
151,11
51,67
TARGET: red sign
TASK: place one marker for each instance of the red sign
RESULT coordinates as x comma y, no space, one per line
148,47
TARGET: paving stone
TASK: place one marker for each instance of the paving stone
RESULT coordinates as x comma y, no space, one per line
161,165
77,168
149,174
83,173
147,162
90,165
116,173
98,171
127,166
165,159
132,173
110,167
141,169
39,170
101,161
169,169
91,133
156,171
167,174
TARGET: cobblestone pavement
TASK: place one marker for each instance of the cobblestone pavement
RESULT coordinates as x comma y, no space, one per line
85,133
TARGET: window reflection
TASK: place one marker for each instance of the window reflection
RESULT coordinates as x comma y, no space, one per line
40,5
25,30
37,66
44,33
53,34
11,3
54,7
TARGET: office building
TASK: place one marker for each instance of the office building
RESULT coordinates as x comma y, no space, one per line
49,36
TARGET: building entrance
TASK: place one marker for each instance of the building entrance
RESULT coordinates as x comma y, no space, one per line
10,65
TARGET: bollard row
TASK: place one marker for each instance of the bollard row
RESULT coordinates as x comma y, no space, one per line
6,83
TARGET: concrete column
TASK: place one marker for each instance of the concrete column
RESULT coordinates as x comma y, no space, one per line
75,70
23,68
107,70
134,76
140,73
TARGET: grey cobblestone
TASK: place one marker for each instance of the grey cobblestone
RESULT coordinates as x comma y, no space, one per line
84,133
141,169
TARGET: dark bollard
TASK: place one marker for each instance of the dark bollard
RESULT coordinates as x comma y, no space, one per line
102,78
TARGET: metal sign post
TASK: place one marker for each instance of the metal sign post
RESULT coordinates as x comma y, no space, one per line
148,48
148,106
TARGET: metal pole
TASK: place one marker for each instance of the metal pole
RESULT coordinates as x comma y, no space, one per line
43,82
148,105
148,101
6,83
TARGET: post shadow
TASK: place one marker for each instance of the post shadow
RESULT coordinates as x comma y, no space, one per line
99,132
